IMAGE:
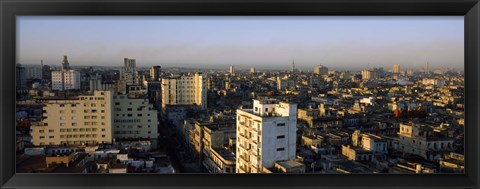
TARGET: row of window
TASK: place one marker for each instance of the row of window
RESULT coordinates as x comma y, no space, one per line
81,136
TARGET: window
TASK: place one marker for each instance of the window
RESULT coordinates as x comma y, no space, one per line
62,124
281,136
50,131
280,149
280,124
51,137
139,115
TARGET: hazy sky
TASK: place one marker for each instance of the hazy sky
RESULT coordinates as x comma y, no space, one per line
339,42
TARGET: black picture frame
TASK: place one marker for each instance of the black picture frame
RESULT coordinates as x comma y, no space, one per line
9,9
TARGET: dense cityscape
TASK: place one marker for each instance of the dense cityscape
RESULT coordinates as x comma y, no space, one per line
121,118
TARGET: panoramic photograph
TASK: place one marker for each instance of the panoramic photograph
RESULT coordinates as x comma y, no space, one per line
240,94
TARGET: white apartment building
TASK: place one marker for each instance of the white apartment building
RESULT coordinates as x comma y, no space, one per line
65,78
129,72
84,120
134,118
265,134
188,89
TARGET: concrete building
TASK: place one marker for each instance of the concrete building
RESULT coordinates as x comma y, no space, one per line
320,70
231,70
83,120
21,79
129,72
34,72
65,78
423,141
265,134
134,118
286,83
252,70
188,89
155,72
368,74
396,69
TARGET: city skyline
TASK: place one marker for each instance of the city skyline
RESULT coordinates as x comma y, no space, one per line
339,42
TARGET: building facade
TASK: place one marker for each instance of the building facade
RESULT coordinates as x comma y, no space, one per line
129,72
265,134
80,121
134,118
320,70
188,89
65,78
155,73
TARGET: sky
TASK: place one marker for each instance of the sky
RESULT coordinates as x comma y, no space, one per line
263,42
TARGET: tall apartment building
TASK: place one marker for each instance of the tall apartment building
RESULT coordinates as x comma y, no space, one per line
21,80
396,68
368,74
129,72
155,73
83,120
231,70
134,118
190,89
320,70
265,134
65,78
34,72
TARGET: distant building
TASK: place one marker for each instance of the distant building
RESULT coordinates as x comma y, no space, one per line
66,78
252,70
21,80
266,134
34,72
396,68
155,73
231,70
368,74
188,89
286,83
129,72
320,70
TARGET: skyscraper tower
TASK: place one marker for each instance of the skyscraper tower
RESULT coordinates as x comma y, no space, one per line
427,69
293,65
396,68
65,65
231,70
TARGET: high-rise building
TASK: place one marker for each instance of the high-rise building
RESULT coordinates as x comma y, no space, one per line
66,78
155,73
231,70
293,66
368,74
134,118
266,134
396,68
129,72
320,70
34,72
185,89
82,120
427,68
21,82
252,70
